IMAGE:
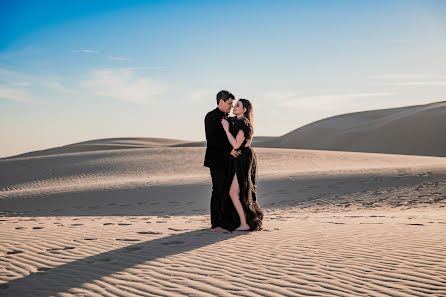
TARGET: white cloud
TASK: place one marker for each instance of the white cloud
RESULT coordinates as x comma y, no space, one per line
10,76
202,94
55,85
408,79
279,95
14,94
400,76
146,68
123,84
20,84
330,100
117,58
85,51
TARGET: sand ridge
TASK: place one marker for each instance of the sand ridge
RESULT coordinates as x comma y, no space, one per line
411,130
135,222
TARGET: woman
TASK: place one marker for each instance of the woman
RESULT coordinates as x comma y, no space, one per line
245,213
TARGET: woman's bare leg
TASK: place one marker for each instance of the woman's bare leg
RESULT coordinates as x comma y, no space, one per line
234,192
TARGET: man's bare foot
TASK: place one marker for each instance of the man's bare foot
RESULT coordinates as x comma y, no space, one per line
220,230
244,227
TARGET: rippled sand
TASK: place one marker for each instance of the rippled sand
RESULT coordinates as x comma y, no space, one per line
135,222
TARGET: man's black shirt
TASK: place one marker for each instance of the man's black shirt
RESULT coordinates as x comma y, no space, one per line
218,146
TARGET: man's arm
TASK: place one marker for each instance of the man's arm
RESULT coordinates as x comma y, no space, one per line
238,140
211,132
211,126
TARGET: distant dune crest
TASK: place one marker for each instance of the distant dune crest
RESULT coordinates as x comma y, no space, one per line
411,130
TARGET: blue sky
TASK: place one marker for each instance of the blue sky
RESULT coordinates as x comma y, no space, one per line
72,71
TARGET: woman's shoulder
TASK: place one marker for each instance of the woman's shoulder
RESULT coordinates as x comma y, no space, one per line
245,125
243,121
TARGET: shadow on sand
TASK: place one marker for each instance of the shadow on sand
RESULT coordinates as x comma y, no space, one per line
73,274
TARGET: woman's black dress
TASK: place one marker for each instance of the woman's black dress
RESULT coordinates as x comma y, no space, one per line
245,166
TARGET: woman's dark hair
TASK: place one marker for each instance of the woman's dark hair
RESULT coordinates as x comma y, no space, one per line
224,95
248,113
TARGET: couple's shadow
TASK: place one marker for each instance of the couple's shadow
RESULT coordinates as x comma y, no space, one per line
86,270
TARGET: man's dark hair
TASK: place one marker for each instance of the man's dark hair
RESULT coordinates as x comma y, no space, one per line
224,95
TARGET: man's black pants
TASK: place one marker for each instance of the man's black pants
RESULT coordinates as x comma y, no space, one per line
218,196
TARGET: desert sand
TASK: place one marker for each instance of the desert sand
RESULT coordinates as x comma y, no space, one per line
134,221
410,130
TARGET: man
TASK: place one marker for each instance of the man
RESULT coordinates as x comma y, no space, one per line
218,150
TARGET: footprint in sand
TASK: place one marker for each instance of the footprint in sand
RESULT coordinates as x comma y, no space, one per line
37,228
123,224
427,174
52,249
14,252
69,248
76,224
18,228
106,224
173,242
43,268
174,229
90,238
416,224
149,232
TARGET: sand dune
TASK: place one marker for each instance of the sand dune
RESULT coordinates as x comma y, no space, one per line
123,143
130,216
255,141
127,168
134,222
411,130
105,144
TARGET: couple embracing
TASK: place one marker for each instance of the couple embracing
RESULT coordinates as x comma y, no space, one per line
232,163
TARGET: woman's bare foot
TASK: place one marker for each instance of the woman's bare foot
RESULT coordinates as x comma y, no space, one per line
244,227
220,230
